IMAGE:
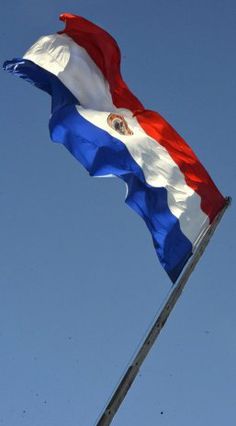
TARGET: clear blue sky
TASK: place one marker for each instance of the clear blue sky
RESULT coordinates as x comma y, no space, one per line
80,281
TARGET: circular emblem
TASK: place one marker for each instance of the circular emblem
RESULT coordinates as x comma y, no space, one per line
118,123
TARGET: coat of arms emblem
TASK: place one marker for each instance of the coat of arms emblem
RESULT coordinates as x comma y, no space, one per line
118,123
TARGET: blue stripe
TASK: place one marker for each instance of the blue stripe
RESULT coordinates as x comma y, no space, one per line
42,79
102,154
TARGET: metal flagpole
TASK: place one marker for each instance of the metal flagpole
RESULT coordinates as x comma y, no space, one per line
133,369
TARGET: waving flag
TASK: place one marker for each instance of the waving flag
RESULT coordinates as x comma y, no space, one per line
99,120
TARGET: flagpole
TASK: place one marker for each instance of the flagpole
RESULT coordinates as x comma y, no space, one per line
133,369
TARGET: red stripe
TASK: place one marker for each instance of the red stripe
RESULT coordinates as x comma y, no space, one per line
195,174
105,52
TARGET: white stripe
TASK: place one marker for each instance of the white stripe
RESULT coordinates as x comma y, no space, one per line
61,56
159,170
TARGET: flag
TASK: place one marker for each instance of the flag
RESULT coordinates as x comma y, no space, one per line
102,123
